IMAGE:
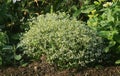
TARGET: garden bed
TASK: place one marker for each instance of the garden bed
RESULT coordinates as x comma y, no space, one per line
87,33
45,69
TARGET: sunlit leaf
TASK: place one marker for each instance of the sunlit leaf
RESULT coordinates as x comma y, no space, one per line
18,57
117,62
7,47
0,60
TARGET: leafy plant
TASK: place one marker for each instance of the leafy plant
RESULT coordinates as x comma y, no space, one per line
66,42
3,41
106,21
8,54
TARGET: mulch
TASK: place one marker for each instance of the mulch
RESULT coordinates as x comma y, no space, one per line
45,69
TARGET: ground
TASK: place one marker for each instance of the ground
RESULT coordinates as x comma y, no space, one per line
42,68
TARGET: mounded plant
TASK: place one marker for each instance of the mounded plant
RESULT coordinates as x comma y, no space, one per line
67,43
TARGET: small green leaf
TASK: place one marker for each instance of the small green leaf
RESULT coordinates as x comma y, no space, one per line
77,13
117,62
112,43
108,34
87,9
96,3
107,49
8,47
18,57
117,38
118,49
0,60
24,64
16,36
109,15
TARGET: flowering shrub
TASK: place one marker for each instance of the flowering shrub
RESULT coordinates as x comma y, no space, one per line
66,42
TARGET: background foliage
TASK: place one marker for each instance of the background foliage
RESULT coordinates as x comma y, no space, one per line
3,41
105,20
100,15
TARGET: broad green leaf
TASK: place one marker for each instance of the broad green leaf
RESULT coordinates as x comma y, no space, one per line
16,36
108,34
117,38
77,13
7,47
17,57
0,60
74,8
2,26
111,44
116,9
118,49
107,49
101,0
117,62
87,9
109,15
96,3
24,64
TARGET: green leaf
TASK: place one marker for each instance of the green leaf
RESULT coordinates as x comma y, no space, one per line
24,64
0,60
17,57
77,13
7,47
16,36
105,34
108,34
117,38
87,9
117,62
111,44
109,15
118,49
106,49
96,3
2,26
74,8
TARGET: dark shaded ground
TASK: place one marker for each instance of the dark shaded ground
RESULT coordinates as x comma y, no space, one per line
45,69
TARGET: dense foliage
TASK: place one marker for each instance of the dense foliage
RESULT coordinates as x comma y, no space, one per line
65,41
8,54
3,41
102,16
